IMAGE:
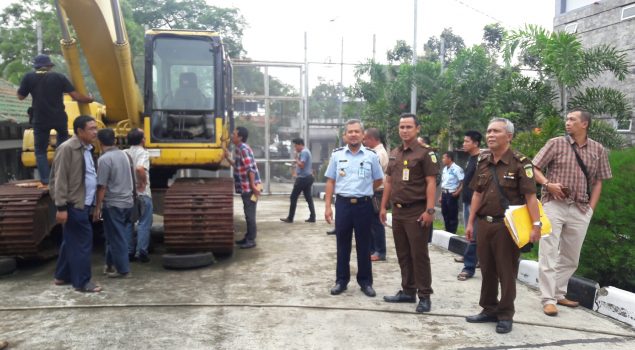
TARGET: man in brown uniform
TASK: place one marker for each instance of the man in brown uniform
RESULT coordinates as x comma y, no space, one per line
495,248
411,184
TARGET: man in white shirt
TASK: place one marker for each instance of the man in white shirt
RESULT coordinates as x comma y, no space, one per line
141,160
451,186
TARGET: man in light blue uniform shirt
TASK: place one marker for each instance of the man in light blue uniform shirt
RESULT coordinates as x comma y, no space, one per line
353,174
451,186
303,181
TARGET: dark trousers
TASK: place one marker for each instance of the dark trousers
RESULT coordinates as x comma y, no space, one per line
302,185
249,207
353,217
498,255
73,262
41,135
378,243
450,211
116,221
469,256
411,244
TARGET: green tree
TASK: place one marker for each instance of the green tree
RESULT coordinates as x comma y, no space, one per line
459,103
400,53
193,14
608,253
323,102
559,56
18,43
452,45
493,36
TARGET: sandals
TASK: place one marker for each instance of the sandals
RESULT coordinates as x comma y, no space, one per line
463,276
90,287
59,282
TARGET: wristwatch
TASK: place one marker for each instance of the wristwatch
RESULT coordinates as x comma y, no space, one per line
431,211
537,223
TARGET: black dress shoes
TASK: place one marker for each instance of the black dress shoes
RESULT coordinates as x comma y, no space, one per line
504,326
424,305
400,297
369,291
310,220
287,220
481,318
332,232
241,241
338,289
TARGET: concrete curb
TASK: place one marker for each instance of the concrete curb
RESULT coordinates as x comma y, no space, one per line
616,303
609,301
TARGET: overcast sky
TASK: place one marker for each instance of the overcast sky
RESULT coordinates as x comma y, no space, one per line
276,27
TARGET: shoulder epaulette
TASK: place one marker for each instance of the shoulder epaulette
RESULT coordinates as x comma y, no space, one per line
370,149
483,155
521,157
338,149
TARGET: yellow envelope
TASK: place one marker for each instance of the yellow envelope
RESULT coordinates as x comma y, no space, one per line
519,223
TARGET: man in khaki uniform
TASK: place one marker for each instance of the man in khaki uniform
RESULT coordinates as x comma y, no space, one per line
411,185
495,248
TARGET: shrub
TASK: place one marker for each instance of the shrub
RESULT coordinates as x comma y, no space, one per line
608,253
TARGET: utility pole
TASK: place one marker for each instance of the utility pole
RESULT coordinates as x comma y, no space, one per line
341,92
451,116
374,44
305,124
413,91
38,31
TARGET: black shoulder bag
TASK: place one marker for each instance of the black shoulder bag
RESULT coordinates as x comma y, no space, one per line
585,171
138,207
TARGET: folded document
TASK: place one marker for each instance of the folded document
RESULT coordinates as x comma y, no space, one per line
519,223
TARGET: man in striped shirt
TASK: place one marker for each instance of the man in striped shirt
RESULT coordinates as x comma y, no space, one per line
571,189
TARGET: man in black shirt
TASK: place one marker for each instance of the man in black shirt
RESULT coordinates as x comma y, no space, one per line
471,145
47,91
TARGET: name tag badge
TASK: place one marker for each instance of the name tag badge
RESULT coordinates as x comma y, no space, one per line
360,172
406,174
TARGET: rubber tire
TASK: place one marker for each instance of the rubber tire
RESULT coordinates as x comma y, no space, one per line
187,261
7,265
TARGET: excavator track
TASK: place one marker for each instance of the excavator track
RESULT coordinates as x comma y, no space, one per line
199,216
27,215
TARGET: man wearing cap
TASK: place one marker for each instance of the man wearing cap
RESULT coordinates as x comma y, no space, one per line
47,91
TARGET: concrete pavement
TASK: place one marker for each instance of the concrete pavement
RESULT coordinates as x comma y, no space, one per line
277,296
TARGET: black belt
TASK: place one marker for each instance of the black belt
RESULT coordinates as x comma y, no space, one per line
447,191
353,200
491,218
408,205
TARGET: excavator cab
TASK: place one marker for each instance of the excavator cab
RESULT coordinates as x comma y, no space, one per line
184,85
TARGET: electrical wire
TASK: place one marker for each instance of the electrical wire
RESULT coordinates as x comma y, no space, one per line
290,306
478,11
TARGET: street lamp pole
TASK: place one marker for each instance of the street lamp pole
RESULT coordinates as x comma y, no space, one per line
413,91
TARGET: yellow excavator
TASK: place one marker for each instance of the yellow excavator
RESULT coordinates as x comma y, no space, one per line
185,110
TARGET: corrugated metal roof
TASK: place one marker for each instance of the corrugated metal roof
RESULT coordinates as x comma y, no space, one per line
10,107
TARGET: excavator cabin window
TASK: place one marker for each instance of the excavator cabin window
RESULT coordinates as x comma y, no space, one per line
183,89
